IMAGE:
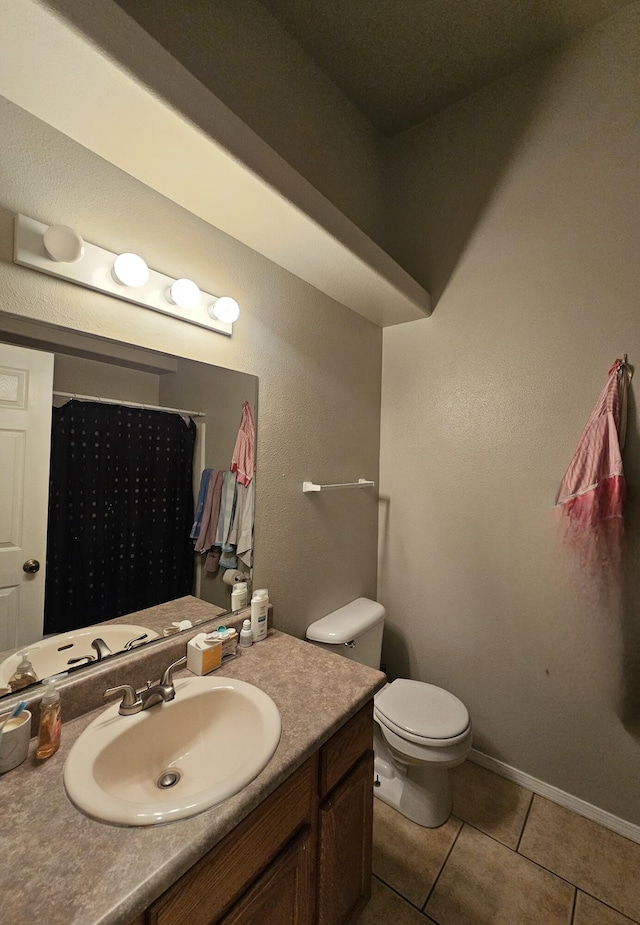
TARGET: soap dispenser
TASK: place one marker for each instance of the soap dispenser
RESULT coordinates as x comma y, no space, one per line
50,727
24,675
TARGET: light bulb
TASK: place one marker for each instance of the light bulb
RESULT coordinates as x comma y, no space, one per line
130,270
184,293
63,244
225,309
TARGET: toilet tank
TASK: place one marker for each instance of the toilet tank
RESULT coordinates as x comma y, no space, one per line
354,631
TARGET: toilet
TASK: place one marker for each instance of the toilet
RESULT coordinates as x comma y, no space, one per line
420,730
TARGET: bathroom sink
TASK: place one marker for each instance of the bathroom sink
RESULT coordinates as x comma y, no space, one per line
175,759
51,656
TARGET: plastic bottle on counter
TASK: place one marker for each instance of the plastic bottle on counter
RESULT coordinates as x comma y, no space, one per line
239,595
50,728
259,611
24,673
246,634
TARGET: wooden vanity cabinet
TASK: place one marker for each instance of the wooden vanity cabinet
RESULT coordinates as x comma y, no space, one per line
303,857
345,822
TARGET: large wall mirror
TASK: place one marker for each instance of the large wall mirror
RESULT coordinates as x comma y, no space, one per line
203,407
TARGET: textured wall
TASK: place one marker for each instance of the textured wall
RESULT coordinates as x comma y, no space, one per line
318,363
241,53
523,204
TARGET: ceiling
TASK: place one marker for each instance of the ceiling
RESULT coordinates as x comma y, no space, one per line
400,61
235,182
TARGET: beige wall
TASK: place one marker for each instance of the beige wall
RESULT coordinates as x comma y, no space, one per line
318,363
523,206
220,395
91,377
242,54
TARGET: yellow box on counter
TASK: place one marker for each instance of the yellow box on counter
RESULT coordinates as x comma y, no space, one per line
207,651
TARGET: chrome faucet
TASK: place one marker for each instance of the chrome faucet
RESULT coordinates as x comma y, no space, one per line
134,701
101,648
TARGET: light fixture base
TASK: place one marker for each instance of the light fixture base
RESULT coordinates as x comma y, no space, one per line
94,272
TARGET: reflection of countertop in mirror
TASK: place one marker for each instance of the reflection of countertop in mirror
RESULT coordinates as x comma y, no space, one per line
163,615
157,619
61,867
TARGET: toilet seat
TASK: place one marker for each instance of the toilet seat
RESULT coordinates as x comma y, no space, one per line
422,713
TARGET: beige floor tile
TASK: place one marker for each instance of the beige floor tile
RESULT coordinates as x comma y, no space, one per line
387,908
590,911
597,860
485,883
489,802
407,856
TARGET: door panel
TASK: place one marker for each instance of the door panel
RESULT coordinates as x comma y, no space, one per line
26,385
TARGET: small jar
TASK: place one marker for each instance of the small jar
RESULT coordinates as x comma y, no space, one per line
246,634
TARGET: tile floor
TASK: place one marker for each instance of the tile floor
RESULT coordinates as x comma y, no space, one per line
505,857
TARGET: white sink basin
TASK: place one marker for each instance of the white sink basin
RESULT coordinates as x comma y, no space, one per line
53,654
218,734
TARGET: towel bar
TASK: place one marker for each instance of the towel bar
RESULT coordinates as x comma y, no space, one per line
361,483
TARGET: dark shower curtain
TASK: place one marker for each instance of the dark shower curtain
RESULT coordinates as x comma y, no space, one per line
120,512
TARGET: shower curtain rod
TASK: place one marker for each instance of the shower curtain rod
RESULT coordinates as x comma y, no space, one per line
129,404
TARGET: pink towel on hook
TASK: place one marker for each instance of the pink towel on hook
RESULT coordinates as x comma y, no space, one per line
243,461
593,488
592,493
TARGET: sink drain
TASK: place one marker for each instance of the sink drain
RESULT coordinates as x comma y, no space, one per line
168,779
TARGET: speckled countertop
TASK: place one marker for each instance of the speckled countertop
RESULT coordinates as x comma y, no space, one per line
60,867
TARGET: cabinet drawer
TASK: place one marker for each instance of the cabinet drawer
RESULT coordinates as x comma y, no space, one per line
345,748
205,892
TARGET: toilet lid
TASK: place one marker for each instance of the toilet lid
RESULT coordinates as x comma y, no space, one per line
422,709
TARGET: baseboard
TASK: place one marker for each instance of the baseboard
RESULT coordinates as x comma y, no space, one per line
608,820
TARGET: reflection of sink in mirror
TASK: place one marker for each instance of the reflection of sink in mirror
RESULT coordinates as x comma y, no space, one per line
130,375
175,759
51,656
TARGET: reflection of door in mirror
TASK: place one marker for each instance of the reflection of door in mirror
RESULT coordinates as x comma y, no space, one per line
26,382
133,375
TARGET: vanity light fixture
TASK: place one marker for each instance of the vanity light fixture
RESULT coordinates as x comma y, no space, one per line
184,293
63,244
59,251
130,270
225,309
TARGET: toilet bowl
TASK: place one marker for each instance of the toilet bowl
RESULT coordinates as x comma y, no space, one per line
420,730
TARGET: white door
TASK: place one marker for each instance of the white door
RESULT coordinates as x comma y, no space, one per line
26,386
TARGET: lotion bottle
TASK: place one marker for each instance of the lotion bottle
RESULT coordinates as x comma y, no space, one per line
239,595
50,724
259,610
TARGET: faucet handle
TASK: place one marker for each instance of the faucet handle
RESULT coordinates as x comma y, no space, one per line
129,645
167,675
81,660
130,695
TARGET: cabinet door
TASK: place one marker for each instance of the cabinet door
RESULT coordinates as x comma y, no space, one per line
220,879
282,895
344,854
